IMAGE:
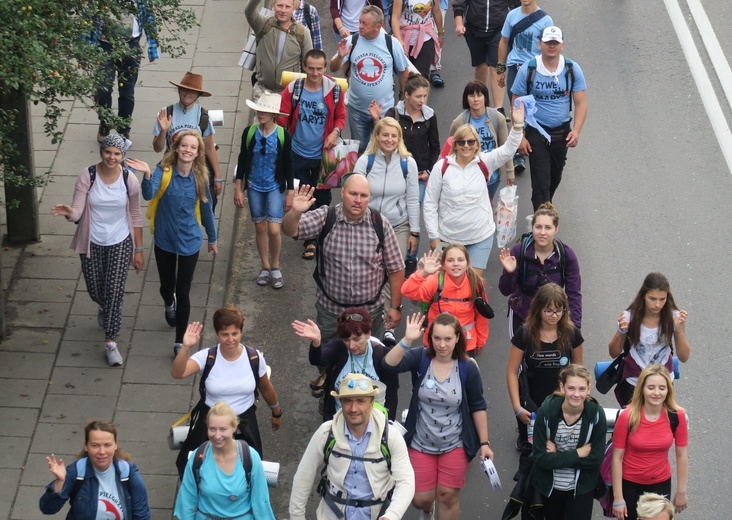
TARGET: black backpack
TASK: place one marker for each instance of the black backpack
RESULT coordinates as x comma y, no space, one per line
202,121
354,39
319,273
253,356
568,65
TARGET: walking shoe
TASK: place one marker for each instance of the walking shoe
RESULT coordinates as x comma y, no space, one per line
276,278
176,349
427,516
100,316
170,313
519,443
410,266
102,132
437,80
263,278
389,338
114,358
519,163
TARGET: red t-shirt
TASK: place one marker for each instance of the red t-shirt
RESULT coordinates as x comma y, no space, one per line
646,448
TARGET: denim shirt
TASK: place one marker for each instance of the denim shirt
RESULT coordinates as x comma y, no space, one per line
357,481
176,227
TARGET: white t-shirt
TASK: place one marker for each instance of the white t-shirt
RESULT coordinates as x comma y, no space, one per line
108,212
350,13
230,381
109,504
649,349
416,12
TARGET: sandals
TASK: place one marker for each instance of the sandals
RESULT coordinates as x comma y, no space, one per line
276,278
309,253
317,386
263,278
437,80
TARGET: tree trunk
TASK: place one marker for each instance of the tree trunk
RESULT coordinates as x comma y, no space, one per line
21,203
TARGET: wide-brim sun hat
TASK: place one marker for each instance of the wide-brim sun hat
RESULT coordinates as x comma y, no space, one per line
193,82
356,385
268,102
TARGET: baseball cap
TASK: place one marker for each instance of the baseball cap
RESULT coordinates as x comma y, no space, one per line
552,34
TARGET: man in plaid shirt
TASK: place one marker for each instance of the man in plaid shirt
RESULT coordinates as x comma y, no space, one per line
354,265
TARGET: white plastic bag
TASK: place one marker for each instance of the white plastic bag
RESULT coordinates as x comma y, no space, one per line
506,216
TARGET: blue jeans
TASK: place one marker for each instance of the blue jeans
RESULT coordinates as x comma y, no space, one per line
307,172
361,125
493,184
125,71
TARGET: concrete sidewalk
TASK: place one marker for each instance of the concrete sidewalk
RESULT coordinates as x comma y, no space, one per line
53,373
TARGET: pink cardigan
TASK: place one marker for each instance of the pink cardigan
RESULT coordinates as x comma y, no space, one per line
82,238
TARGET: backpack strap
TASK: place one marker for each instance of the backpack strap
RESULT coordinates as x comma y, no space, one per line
253,356
308,19
568,66
482,165
203,121
524,24
250,135
297,87
296,28
92,175
530,75
152,206
210,360
245,457
122,467
673,419
369,163
405,167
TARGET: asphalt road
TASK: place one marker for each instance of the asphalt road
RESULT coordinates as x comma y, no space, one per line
647,189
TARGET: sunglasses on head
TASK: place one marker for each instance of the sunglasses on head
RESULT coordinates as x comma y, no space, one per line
361,383
463,142
350,317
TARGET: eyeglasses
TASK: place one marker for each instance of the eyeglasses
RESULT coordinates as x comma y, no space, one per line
553,312
350,317
463,142
263,149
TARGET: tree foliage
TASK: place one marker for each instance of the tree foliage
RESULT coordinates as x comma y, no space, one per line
47,57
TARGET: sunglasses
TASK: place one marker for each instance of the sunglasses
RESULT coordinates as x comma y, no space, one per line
361,383
463,142
350,317
263,149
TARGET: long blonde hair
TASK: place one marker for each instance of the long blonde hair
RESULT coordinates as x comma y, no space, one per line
374,145
639,398
200,170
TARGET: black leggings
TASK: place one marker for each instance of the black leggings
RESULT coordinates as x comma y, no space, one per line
565,505
632,492
178,286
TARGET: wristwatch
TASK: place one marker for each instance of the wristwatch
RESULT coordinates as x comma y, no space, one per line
398,308
486,443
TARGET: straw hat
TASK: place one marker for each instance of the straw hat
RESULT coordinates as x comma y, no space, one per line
268,102
193,82
356,385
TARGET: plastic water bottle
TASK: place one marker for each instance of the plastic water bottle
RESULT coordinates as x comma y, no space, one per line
530,428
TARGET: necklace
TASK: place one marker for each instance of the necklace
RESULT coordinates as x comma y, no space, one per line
365,360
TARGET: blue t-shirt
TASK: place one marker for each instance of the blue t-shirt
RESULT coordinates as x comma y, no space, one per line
307,141
372,72
487,140
183,120
526,43
552,98
262,176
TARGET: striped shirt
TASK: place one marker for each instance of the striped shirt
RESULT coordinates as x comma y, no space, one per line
354,268
566,439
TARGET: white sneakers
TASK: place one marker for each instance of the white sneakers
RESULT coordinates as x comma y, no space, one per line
114,358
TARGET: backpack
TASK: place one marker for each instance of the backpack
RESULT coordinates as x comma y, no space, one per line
308,19
522,262
604,490
354,39
253,356
370,164
203,121
152,205
569,67
244,455
93,176
424,307
253,130
483,168
124,476
330,221
296,28
297,92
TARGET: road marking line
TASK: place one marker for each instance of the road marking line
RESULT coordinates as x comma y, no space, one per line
716,55
703,83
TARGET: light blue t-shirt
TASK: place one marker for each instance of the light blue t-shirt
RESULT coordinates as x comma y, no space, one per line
487,140
372,72
526,43
183,120
552,97
262,176
109,503
307,141
363,364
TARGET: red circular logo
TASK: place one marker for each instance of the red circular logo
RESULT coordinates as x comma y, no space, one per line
369,69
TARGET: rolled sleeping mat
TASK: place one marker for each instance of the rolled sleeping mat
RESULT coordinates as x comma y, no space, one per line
289,76
601,366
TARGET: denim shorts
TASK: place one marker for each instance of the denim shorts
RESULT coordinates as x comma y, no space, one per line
479,252
266,206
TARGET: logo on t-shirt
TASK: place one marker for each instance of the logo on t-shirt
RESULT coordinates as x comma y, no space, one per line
111,510
370,69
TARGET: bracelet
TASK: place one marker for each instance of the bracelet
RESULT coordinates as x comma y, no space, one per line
219,180
415,235
441,33
275,416
621,331
619,504
273,406
139,249
520,411
518,127
404,345
485,443
500,68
